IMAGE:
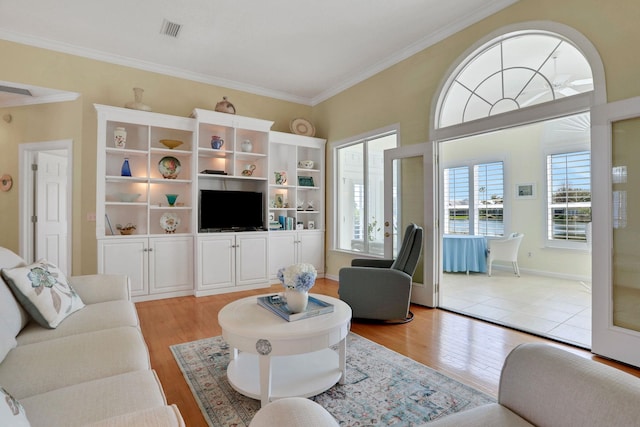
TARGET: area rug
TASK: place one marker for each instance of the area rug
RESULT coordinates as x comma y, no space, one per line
382,387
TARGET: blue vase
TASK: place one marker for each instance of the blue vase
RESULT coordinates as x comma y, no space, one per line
126,170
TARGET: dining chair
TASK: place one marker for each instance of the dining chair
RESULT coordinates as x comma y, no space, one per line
505,250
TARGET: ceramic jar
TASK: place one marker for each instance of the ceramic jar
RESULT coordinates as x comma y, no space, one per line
246,146
120,137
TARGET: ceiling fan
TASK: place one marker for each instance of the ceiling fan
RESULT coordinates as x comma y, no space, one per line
560,84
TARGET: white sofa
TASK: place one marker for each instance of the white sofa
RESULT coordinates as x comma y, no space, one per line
92,369
540,385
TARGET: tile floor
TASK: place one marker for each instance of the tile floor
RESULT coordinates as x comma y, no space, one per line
556,308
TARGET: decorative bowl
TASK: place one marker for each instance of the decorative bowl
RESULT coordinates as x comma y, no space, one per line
169,222
171,199
127,229
128,197
305,164
171,143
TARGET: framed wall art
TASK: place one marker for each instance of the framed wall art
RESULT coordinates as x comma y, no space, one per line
526,191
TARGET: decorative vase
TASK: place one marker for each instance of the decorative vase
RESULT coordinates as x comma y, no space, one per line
225,106
126,170
120,137
137,103
296,300
171,199
246,146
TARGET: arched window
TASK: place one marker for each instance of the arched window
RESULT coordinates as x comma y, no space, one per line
514,71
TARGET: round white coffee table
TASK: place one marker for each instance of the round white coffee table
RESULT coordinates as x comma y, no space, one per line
272,358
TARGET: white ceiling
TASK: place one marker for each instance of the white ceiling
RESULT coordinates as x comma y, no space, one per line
297,50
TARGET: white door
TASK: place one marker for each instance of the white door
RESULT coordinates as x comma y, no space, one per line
216,261
616,229
251,258
170,264
282,251
51,209
311,249
128,257
409,182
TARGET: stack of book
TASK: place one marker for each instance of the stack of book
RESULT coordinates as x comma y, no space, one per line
278,305
275,225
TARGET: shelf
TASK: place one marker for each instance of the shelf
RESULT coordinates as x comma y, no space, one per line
117,178
169,181
306,187
302,170
125,203
172,208
171,152
210,152
241,155
126,152
308,212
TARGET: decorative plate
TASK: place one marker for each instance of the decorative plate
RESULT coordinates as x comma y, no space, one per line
169,222
302,126
169,167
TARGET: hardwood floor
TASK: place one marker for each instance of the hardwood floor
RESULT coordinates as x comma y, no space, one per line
468,350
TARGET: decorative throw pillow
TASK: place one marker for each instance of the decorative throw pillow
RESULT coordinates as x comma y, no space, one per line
11,411
43,291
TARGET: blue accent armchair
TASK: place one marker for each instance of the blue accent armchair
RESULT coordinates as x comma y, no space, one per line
380,289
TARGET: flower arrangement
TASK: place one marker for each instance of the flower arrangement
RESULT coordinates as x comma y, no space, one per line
299,277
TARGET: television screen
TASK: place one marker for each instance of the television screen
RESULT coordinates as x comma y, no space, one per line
230,210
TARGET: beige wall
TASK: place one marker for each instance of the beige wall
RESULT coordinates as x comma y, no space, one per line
101,83
403,93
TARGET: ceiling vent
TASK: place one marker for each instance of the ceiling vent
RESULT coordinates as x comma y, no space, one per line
16,90
170,29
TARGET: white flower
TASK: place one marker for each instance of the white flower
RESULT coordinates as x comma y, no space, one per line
300,277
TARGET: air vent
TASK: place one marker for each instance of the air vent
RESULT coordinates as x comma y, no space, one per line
170,29
15,90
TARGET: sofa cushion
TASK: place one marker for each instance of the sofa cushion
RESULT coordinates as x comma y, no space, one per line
93,401
162,416
7,340
12,315
94,317
11,411
40,367
43,290
493,415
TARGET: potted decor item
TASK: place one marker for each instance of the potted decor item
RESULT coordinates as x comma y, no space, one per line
137,104
297,279
225,106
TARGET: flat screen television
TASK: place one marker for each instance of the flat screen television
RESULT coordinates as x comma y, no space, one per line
230,210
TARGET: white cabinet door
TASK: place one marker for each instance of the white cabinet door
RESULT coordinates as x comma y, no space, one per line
282,251
216,261
251,258
170,264
126,257
311,249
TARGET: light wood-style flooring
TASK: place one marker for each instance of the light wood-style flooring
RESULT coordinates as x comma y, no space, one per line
469,350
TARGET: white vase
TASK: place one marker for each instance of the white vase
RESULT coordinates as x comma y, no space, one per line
246,146
120,137
296,301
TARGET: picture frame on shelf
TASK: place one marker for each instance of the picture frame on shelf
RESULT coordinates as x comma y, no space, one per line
311,225
525,191
306,181
272,216
279,200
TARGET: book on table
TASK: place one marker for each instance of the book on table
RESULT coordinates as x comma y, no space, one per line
278,305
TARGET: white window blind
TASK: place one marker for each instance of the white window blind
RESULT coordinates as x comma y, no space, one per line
569,196
456,200
489,197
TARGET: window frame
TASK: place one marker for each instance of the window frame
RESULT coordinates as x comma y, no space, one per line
335,148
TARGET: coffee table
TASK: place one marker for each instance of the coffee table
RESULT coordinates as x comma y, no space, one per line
272,358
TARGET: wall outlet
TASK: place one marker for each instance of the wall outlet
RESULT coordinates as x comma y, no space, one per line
529,254
91,217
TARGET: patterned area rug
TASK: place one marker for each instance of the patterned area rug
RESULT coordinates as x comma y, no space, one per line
382,387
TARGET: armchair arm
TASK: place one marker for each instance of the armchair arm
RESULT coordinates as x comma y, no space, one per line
96,288
371,262
375,293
